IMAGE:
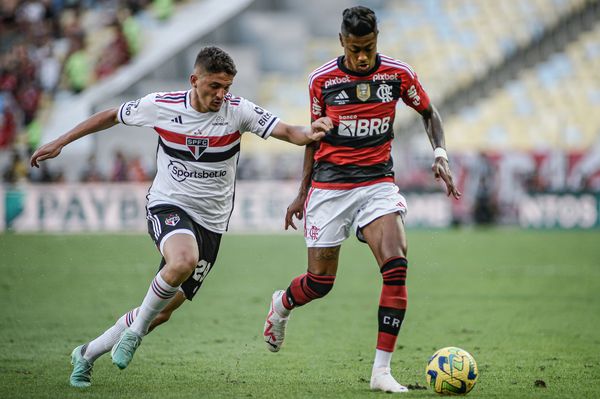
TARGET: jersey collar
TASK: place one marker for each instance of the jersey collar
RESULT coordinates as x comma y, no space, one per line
342,67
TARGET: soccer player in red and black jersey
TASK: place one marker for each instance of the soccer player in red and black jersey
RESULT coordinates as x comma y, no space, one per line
348,181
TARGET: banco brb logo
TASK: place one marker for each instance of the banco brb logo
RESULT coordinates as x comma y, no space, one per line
363,127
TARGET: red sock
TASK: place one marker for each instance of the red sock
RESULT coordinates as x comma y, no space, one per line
392,303
305,288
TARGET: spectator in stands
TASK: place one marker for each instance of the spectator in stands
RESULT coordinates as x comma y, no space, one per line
17,170
115,54
119,169
91,173
8,124
136,171
484,209
77,66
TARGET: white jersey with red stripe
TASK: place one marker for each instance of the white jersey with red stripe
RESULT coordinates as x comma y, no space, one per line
197,152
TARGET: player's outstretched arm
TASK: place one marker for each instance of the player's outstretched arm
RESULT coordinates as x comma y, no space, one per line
97,122
296,208
301,135
435,132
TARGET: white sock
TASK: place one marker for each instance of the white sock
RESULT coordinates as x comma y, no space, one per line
109,338
382,359
158,296
280,309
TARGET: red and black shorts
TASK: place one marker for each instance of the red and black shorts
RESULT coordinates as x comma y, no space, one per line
166,220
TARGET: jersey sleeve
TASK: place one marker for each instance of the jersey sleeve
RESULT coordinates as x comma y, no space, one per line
317,106
141,112
412,91
255,119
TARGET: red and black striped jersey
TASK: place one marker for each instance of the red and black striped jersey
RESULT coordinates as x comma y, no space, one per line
362,106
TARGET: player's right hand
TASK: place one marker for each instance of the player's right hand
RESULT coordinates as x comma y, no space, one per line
320,127
296,208
47,151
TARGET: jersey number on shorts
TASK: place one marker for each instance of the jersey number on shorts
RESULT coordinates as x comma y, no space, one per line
202,270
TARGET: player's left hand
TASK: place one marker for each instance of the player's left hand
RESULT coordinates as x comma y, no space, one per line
441,170
320,127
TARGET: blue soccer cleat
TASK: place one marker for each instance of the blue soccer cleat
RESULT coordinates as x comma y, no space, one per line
81,377
124,349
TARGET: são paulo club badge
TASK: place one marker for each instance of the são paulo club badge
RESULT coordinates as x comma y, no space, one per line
172,219
196,145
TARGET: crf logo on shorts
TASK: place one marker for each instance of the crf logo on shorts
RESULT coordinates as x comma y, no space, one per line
313,232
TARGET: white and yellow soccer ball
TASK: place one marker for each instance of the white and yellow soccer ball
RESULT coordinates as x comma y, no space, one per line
451,371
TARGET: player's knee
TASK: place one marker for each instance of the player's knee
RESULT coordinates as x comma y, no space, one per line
183,263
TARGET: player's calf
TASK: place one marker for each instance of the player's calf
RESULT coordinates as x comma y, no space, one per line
306,288
392,302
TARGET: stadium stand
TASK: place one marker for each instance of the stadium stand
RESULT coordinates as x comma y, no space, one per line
52,48
516,82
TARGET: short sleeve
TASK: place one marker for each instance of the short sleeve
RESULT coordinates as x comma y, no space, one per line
256,120
412,92
141,112
316,101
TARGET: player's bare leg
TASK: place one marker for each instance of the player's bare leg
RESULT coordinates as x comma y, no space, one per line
181,255
84,356
314,284
387,240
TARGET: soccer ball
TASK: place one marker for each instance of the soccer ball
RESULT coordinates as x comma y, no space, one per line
451,371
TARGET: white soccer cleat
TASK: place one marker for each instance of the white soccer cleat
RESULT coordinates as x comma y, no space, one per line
382,380
274,330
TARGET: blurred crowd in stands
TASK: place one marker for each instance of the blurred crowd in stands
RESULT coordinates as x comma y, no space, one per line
49,47
538,131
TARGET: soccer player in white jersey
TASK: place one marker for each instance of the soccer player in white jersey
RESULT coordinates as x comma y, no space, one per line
191,198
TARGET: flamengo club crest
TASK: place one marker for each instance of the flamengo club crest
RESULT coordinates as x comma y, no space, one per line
363,91
196,146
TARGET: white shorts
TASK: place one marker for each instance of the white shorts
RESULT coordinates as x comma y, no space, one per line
331,215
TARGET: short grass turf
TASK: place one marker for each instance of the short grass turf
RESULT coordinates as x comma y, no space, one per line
526,304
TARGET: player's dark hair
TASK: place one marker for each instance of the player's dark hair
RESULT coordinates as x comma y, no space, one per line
214,60
359,21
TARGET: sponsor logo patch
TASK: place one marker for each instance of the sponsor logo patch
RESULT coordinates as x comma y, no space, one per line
220,121
363,127
336,81
385,76
131,105
413,95
341,98
316,107
179,172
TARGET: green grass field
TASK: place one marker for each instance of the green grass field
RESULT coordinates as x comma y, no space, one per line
525,304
